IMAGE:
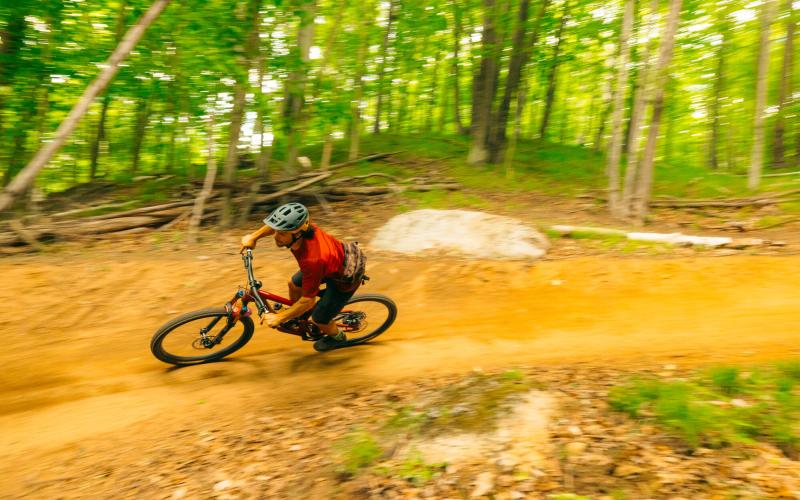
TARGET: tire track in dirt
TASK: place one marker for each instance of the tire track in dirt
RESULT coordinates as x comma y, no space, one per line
80,370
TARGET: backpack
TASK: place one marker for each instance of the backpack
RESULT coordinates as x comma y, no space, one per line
355,264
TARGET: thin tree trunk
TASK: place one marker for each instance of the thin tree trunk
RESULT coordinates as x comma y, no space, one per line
26,177
508,158
757,153
355,106
713,147
12,38
237,114
142,118
457,30
640,97
551,80
484,85
665,52
615,145
295,84
327,150
98,138
20,138
785,90
101,123
608,107
516,66
432,104
208,183
376,128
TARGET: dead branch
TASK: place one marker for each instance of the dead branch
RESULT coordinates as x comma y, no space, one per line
296,187
389,188
108,226
360,177
306,175
143,210
81,210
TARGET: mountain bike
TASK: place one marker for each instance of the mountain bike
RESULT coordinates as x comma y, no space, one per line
211,334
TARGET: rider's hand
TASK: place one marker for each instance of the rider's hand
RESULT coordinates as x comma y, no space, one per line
273,320
248,241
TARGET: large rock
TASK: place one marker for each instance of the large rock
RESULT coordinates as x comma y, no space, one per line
463,233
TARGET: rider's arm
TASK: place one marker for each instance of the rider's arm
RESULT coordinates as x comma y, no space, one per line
296,309
312,279
249,240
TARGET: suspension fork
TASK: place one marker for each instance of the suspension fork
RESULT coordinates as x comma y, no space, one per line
232,313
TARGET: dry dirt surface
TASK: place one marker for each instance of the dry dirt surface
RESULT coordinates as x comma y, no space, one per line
78,374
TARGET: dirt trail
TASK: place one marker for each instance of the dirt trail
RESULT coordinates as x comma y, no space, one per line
76,364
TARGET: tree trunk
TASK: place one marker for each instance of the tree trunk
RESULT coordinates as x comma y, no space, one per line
457,30
432,104
26,177
484,86
608,107
640,97
142,117
376,128
615,145
327,150
757,153
98,138
355,106
551,80
665,50
785,90
101,123
208,183
508,158
12,38
295,84
719,78
516,66
237,114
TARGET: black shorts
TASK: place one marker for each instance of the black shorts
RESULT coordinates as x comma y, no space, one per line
331,302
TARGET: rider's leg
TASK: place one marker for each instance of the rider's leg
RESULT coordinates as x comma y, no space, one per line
329,329
331,304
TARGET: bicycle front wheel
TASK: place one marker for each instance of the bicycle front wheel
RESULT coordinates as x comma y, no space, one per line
200,336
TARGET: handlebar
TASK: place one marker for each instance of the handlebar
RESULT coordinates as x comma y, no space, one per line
253,283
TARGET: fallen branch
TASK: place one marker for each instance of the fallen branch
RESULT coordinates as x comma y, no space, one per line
361,177
77,211
177,220
143,210
315,173
108,226
721,204
388,188
780,223
296,187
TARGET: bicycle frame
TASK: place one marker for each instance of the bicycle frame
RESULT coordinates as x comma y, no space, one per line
253,293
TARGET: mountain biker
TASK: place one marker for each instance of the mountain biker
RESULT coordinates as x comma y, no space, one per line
322,259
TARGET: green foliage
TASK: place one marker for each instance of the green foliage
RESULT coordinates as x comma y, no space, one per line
189,63
416,470
472,404
721,406
567,496
726,379
356,450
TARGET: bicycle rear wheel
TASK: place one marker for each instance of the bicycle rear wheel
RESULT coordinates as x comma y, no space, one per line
194,337
365,317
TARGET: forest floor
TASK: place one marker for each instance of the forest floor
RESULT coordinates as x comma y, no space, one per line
86,411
